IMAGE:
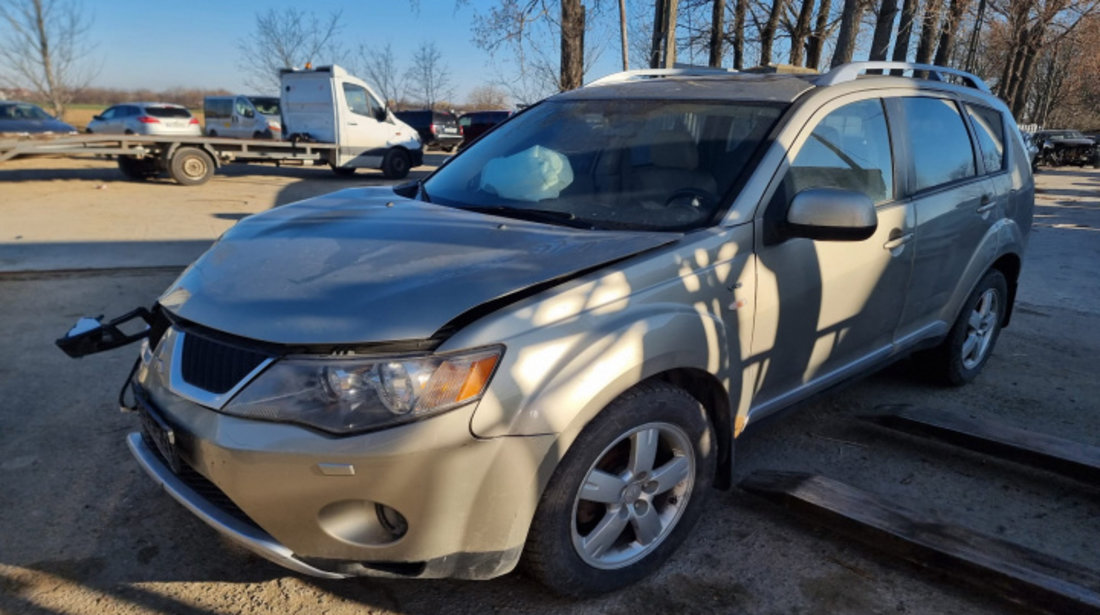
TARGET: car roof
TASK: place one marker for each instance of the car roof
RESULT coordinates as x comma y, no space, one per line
731,86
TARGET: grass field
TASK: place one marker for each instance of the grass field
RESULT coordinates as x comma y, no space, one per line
80,115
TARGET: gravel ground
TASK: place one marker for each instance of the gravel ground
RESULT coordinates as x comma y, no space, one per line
85,531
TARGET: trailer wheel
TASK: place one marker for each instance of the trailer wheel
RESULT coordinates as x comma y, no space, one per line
137,169
396,164
190,166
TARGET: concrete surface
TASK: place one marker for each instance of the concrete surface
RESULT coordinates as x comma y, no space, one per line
84,531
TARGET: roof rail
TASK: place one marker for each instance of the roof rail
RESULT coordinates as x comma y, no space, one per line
657,73
848,72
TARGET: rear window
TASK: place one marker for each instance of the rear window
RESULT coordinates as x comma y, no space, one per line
167,112
267,105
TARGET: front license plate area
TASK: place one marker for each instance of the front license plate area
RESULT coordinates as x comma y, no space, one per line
158,433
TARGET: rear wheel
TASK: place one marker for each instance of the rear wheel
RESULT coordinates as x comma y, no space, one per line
138,169
625,495
191,166
961,357
212,133
396,164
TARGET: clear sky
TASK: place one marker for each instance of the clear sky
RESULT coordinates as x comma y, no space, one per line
194,43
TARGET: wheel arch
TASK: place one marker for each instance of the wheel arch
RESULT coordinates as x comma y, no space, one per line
1009,265
708,391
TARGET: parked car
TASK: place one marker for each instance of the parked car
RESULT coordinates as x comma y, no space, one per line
436,128
475,123
544,352
20,117
1065,147
255,117
146,118
1031,148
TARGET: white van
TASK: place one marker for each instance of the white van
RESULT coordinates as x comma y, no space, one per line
245,117
328,105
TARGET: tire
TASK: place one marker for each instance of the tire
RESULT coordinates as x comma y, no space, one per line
212,133
963,354
344,171
190,166
128,132
560,552
396,164
137,169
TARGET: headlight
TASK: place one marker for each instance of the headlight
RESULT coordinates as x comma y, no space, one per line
351,395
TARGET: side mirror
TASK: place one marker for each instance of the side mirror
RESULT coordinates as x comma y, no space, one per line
249,113
831,214
381,114
97,117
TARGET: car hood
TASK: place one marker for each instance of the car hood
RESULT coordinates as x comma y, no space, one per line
21,126
364,266
1074,141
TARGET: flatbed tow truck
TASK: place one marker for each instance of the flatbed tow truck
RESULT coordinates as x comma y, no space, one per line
330,116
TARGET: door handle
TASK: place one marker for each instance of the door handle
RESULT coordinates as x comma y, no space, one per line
897,240
353,123
987,204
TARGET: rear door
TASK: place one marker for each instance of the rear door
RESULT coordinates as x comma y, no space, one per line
954,205
826,308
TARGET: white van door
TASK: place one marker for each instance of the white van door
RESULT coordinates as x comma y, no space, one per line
364,133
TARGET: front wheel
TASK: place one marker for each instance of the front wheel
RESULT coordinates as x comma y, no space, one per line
396,164
961,357
625,495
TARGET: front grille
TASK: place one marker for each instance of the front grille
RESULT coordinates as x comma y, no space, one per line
214,366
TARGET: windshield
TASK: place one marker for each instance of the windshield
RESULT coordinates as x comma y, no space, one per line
640,164
23,112
266,105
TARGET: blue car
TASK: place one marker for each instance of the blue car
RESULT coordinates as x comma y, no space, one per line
21,117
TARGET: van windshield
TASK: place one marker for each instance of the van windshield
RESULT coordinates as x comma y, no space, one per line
612,164
266,105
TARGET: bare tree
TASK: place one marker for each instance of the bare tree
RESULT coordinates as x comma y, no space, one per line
849,30
950,30
817,39
572,44
488,97
45,47
717,24
905,32
884,26
286,39
428,77
929,31
767,34
379,66
739,9
801,32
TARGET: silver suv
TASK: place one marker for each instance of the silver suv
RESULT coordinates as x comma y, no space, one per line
545,352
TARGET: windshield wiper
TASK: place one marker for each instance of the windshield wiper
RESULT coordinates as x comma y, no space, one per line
551,216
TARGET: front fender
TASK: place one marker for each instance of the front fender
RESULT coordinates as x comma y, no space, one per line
557,385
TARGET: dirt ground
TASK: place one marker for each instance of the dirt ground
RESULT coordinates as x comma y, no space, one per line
85,531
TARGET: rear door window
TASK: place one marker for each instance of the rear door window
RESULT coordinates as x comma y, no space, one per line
990,130
850,150
938,141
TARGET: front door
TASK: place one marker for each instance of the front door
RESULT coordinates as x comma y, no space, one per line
825,306
363,138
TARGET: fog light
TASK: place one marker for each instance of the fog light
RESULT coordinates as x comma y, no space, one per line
393,521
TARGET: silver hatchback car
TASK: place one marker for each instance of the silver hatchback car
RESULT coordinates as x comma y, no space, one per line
145,118
545,352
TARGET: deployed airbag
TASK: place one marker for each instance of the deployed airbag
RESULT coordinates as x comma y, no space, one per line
534,174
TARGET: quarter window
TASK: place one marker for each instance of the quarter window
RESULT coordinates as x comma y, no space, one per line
938,142
990,130
850,150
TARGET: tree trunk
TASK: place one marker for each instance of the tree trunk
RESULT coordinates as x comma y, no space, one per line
884,27
817,40
739,10
849,30
929,31
659,12
717,27
905,32
622,33
670,33
572,44
972,45
1019,99
950,31
801,32
767,35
